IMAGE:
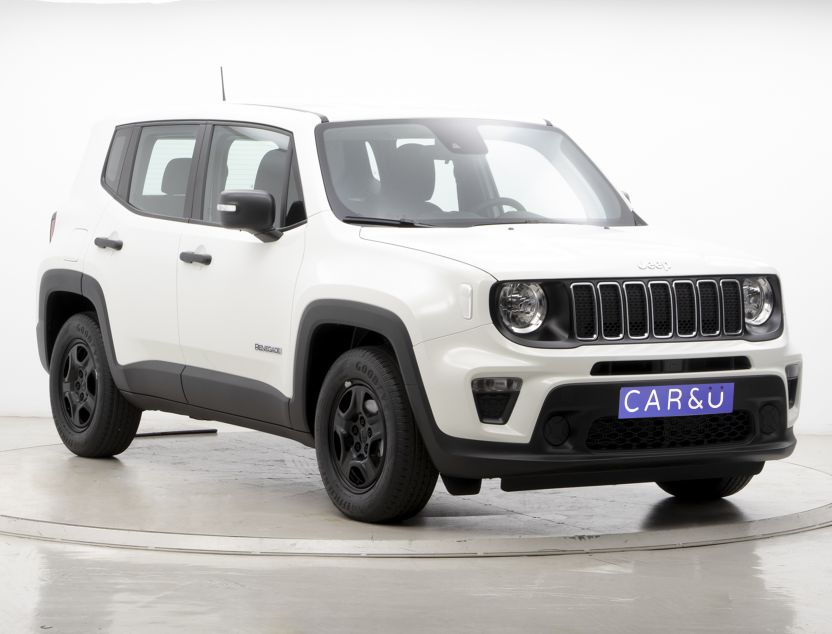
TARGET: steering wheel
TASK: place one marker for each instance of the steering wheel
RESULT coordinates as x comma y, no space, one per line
500,200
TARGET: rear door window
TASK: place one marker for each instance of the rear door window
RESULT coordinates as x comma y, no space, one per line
162,169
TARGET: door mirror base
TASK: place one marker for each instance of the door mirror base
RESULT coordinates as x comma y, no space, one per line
273,235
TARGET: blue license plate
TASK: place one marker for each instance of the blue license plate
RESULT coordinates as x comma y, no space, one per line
651,401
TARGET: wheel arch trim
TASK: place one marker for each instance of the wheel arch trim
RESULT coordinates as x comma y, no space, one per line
338,312
83,285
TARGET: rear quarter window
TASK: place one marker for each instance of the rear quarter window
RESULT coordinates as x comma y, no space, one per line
115,158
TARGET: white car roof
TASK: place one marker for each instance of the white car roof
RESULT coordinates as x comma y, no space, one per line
307,114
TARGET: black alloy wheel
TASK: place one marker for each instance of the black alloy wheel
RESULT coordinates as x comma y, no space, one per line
79,386
92,417
371,457
357,439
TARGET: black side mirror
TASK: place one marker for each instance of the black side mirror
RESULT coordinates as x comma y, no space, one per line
249,210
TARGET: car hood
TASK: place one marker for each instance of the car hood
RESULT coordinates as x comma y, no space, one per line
541,251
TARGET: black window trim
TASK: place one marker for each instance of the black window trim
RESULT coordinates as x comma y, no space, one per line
198,200
195,192
126,178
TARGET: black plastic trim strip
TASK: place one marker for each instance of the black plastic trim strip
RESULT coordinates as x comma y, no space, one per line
146,402
235,396
670,366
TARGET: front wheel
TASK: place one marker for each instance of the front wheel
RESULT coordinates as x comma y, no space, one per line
708,489
371,458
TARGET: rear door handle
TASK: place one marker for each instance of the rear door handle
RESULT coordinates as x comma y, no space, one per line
107,243
190,257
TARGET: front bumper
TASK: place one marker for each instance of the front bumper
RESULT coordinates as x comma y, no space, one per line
539,464
561,381
448,365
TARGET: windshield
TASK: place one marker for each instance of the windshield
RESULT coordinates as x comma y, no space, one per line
448,172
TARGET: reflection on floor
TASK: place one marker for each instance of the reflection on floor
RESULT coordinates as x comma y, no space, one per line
776,585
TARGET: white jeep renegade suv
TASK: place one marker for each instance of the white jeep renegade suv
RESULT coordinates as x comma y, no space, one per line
412,297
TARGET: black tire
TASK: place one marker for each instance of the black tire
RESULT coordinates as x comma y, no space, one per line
92,417
703,490
372,460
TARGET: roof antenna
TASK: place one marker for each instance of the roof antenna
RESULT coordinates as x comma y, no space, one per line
222,83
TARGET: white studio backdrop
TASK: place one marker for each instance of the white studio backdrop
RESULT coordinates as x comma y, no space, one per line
713,115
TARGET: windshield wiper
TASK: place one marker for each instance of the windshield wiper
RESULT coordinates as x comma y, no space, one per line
388,222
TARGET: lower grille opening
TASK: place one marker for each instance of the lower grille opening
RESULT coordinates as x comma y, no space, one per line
613,434
670,366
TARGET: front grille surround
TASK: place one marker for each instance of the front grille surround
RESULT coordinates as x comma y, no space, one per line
641,310
661,309
580,304
710,317
611,313
683,315
676,309
731,291
635,303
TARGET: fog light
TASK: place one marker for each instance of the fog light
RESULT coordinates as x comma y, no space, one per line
792,379
556,430
494,398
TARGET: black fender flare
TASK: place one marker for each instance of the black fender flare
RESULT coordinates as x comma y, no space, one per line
391,327
53,281
77,283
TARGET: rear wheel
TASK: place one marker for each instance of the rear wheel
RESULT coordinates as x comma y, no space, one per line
371,458
92,417
709,489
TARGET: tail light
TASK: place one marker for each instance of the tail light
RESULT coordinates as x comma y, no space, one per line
52,226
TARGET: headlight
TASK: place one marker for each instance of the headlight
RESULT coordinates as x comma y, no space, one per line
758,300
522,306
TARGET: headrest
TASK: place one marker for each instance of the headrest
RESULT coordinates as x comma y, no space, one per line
175,178
410,175
351,171
271,175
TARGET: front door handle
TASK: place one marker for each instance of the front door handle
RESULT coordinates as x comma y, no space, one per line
107,243
190,257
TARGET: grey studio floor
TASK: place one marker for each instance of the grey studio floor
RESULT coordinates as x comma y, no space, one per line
233,533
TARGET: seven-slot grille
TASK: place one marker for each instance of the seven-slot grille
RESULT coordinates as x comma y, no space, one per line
660,309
